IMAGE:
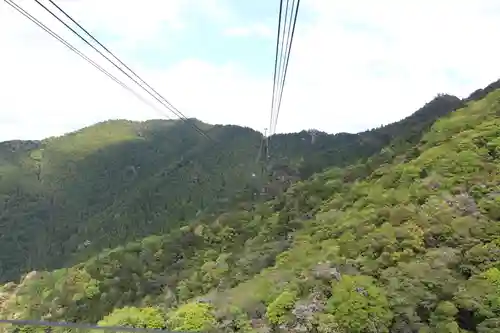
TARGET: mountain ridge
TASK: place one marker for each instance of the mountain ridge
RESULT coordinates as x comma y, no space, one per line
325,153
79,177
353,248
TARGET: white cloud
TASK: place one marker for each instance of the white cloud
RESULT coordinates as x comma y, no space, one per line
418,41
354,65
133,19
256,29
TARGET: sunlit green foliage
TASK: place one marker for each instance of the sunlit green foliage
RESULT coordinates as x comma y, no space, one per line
278,309
192,317
357,305
134,317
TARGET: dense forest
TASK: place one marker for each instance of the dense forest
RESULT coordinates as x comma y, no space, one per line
65,199
395,229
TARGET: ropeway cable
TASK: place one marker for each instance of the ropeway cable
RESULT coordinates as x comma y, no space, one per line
82,55
166,104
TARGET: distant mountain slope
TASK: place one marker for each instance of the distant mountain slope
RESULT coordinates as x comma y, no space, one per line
98,187
344,149
65,199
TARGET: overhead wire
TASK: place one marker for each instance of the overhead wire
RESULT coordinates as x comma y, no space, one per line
121,69
287,60
161,98
286,31
282,58
82,55
277,63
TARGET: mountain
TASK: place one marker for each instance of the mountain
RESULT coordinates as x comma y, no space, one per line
402,239
67,198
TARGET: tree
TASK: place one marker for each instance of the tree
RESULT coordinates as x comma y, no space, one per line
193,317
135,317
358,305
278,309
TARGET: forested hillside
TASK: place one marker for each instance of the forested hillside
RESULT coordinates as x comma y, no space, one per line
65,199
400,238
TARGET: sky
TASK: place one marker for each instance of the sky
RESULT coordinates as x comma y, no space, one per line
354,65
